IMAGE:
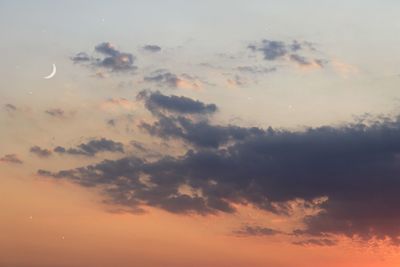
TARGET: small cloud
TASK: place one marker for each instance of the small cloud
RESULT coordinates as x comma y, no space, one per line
248,230
152,48
255,69
81,57
316,242
111,122
112,59
115,104
168,79
156,102
344,69
41,152
55,112
11,158
10,107
273,50
236,81
92,147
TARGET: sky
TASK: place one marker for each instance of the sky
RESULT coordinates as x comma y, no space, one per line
199,133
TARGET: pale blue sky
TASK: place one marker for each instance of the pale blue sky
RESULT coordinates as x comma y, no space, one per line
360,34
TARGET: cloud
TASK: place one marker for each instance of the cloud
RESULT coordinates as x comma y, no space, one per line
81,57
353,168
248,230
162,77
165,78
152,48
10,108
316,242
92,147
196,131
256,70
115,104
55,112
11,158
112,59
156,102
41,152
273,50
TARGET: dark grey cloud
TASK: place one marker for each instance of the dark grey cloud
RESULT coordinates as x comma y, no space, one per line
11,158
112,58
248,230
355,168
92,147
316,242
156,102
55,112
41,152
152,48
198,133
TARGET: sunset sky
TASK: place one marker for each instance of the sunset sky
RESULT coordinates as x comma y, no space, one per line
200,133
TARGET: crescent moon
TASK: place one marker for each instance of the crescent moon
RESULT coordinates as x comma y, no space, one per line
52,73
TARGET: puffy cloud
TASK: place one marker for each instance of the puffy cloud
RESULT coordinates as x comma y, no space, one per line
155,101
112,59
92,147
272,50
278,50
41,152
11,158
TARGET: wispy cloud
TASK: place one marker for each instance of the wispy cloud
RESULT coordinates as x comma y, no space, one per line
11,158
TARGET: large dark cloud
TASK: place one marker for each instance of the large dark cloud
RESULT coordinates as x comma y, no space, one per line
178,125
354,167
92,147
198,133
155,101
112,59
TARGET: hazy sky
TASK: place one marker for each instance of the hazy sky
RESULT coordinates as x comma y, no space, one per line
199,133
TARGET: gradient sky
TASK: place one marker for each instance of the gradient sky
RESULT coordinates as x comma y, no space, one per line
200,133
